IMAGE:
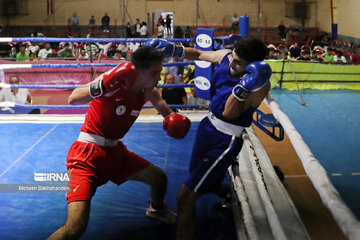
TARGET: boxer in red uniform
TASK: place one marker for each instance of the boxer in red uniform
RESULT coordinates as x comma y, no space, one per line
97,156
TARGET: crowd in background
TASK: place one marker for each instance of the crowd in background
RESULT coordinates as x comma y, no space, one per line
321,50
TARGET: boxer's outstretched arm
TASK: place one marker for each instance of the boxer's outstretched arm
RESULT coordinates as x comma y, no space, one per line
209,56
161,106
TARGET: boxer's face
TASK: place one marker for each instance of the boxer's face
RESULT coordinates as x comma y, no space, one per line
151,76
237,65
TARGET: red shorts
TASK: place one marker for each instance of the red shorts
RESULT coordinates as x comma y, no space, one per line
90,166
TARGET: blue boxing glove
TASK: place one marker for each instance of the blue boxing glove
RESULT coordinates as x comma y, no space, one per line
223,41
169,49
258,74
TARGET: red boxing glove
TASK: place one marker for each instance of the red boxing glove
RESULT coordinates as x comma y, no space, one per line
122,76
176,125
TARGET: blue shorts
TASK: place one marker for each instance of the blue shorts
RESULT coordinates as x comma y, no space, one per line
213,153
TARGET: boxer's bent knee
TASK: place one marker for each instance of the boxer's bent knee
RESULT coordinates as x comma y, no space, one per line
186,196
150,175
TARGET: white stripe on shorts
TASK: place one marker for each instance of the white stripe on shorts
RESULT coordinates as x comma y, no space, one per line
214,164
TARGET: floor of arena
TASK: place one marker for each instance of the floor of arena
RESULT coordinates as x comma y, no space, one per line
329,125
118,212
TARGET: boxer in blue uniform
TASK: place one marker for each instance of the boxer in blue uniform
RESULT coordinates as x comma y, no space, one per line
239,85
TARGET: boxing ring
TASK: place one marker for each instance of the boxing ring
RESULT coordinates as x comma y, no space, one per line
117,212
39,144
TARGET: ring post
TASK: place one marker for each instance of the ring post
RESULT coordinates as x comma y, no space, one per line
203,69
244,25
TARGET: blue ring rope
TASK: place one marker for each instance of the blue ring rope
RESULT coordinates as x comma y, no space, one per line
75,86
101,40
87,106
80,65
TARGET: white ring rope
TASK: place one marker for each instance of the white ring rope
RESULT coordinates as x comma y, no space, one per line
273,219
245,206
331,198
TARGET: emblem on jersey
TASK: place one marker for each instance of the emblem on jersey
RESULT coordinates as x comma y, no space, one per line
120,110
135,113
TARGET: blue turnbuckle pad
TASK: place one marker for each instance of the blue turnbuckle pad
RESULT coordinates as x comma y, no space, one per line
265,121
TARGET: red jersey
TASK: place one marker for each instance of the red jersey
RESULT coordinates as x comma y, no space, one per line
112,117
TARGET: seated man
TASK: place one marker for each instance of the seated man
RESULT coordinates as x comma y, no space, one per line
17,95
305,55
317,56
194,100
22,55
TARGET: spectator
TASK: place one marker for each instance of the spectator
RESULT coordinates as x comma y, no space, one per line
235,23
339,58
112,50
105,23
178,71
133,46
295,50
123,48
188,32
178,32
160,30
17,95
161,21
22,56
329,55
36,34
318,57
45,51
92,49
143,30
82,54
137,28
54,54
168,24
271,52
69,54
33,47
194,100
66,49
347,56
356,57
326,40
72,45
101,55
305,55
118,55
32,57
282,31
128,30
92,23
75,23
5,50
173,95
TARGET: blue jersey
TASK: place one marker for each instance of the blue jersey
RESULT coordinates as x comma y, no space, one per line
218,139
221,87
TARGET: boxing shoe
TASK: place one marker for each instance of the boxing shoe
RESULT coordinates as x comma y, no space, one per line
165,214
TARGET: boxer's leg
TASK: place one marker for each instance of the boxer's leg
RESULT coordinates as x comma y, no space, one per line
76,221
